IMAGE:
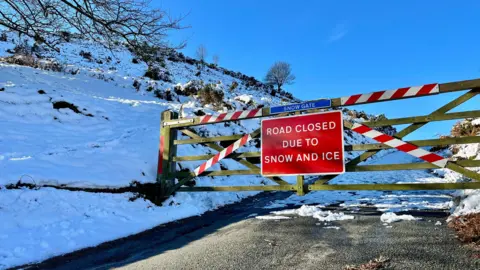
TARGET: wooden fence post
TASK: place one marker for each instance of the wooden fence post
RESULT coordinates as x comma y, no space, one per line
300,185
166,165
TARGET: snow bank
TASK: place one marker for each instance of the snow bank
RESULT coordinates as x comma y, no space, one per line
469,203
315,212
392,217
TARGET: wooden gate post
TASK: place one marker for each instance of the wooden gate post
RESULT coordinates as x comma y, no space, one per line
300,185
166,165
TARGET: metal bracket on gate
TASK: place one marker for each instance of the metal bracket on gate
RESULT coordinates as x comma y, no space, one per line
181,121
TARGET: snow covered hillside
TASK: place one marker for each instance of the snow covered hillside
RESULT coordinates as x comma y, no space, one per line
90,117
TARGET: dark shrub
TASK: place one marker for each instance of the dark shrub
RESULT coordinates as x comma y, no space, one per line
86,55
190,61
153,73
178,90
233,86
208,95
464,128
137,85
66,36
166,95
192,88
3,37
199,113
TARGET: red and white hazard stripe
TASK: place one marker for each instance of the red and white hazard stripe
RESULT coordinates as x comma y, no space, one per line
222,154
426,89
401,145
231,116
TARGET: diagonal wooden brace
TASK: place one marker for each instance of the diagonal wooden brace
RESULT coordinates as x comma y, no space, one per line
222,154
187,179
242,161
403,146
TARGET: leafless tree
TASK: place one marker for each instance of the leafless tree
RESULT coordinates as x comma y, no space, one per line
201,53
279,74
216,58
105,21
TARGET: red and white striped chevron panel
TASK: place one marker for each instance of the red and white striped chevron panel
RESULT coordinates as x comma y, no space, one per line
426,89
231,116
222,154
401,145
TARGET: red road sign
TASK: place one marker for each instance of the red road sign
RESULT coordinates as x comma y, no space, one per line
303,144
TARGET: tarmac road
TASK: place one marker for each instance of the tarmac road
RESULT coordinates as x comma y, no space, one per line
229,239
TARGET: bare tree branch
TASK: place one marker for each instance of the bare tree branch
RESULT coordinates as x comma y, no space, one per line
106,21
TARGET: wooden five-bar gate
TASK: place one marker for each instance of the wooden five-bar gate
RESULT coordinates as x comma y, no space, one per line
172,181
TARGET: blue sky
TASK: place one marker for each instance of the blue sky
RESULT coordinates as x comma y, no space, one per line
340,48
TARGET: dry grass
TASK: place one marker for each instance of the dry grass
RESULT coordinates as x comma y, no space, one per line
377,263
465,128
467,228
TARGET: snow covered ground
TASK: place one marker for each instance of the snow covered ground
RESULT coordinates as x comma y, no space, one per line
112,140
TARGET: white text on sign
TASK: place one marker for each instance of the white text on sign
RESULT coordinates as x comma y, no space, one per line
303,144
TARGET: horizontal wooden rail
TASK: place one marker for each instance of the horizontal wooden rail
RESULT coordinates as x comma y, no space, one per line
219,173
211,139
205,157
429,142
408,166
422,119
354,147
380,123
428,186
336,102
359,168
400,186
240,188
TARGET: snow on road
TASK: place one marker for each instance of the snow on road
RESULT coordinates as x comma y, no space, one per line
315,212
392,217
383,200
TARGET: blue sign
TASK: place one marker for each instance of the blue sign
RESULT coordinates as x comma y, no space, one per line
317,104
